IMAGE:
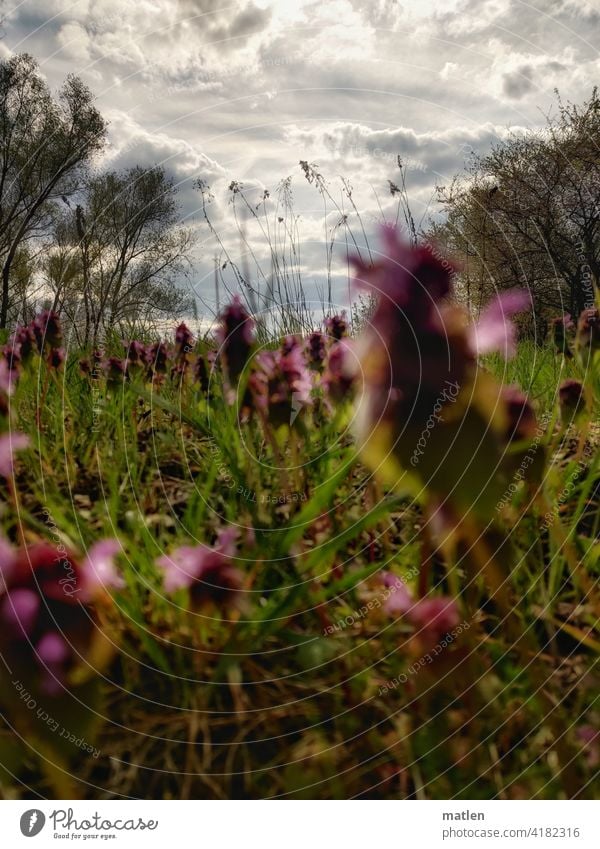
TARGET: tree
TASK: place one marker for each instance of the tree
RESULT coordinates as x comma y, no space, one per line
118,257
528,213
45,146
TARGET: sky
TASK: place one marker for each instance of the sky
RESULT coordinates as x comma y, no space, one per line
242,91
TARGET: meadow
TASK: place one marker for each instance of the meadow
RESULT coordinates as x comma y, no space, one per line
343,565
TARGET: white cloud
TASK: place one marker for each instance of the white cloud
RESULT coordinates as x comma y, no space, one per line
244,89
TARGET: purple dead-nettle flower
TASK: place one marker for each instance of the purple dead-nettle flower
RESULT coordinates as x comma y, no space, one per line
116,370
46,624
561,331
22,340
8,560
47,330
209,573
572,400
336,326
434,618
157,357
339,377
184,340
99,570
201,373
289,343
415,344
495,331
54,654
521,422
136,353
316,349
414,279
421,387
587,339
589,737
9,444
236,338
8,377
56,357
398,598
12,355
280,385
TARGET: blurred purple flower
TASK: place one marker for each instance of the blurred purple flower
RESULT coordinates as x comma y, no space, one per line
56,357
316,349
588,332
561,328
9,444
571,399
184,340
209,573
340,372
521,422
336,326
99,570
8,377
590,740
19,609
434,617
236,338
46,330
399,600
156,357
494,331
44,627
280,385
201,373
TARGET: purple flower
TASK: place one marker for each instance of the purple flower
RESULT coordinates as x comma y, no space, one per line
184,341
336,326
280,385
201,373
156,357
136,353
415,343
99,570
289,343
590,740
209,573
561,328
19,610
116,370
495,331
340,373
22,341
46,330
8,377
587,339
571,398
411,278
521,422
8,560
45,620
399,600
434,617
9,444
56,357
236,338
316,349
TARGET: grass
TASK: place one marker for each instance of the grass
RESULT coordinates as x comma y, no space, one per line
292,694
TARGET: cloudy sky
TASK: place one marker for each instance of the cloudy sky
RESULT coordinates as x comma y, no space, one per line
242,91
